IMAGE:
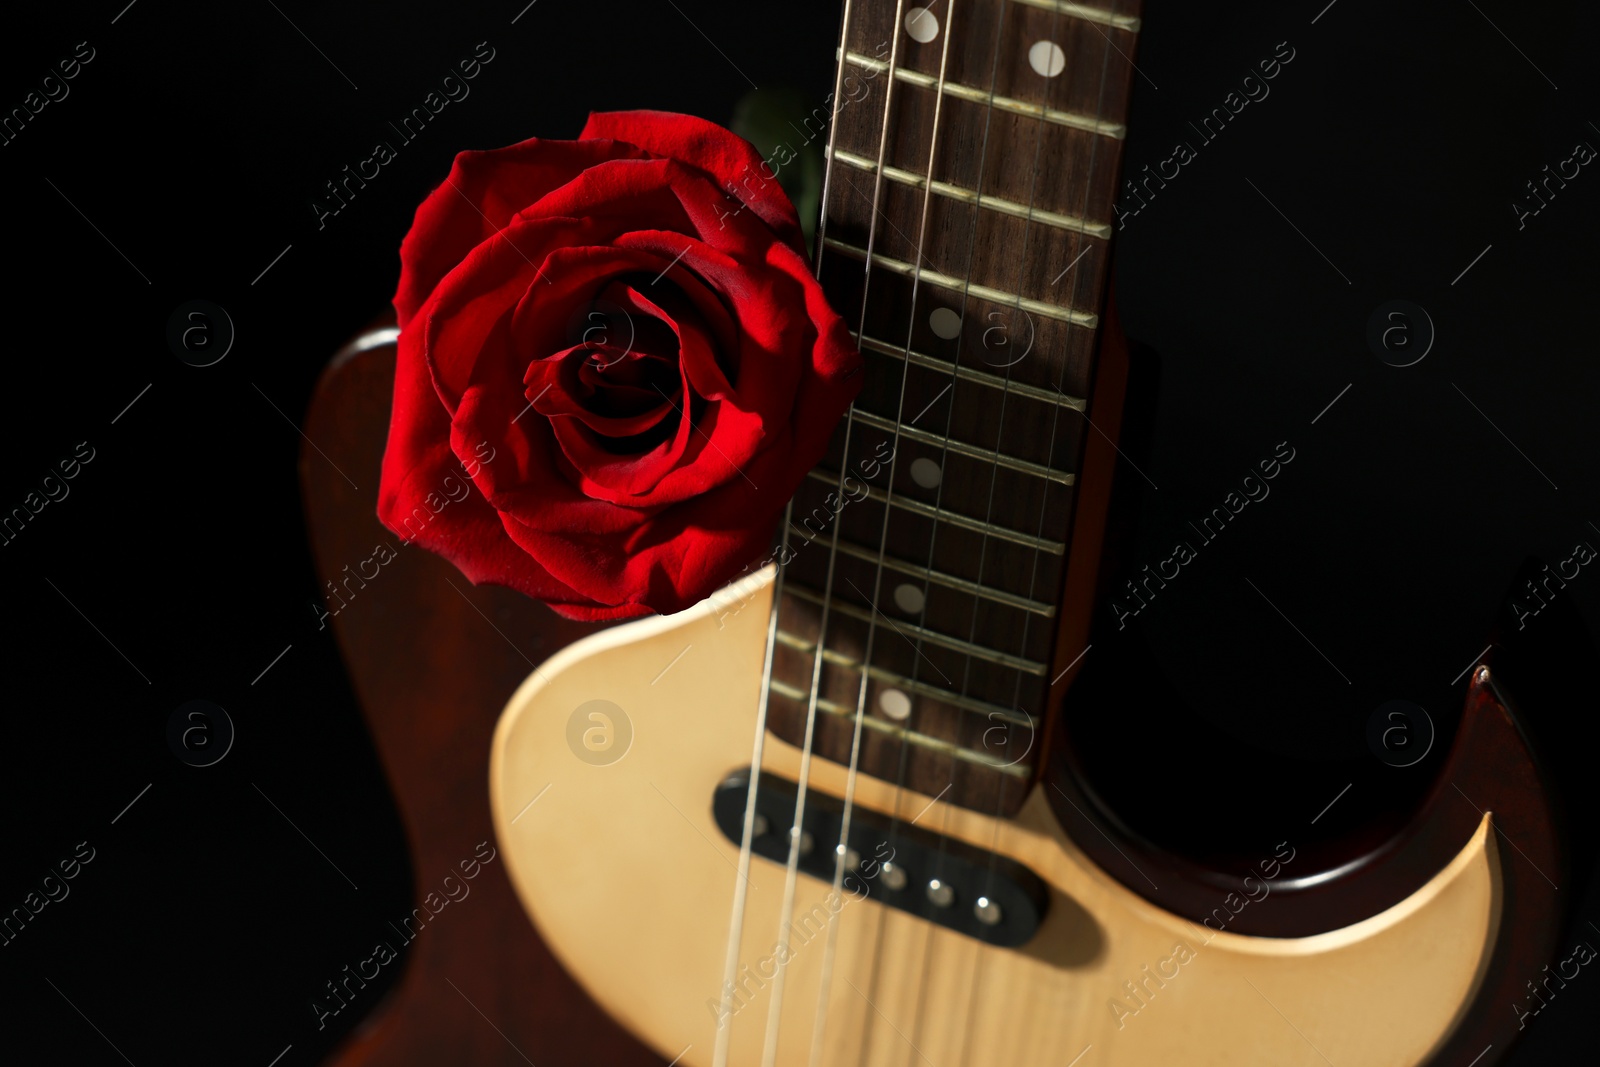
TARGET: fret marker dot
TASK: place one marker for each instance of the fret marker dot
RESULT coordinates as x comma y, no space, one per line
1047,59
894,879
925,472
908,598
921,25
894,704
945,323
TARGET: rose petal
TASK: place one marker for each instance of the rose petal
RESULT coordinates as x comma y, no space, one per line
733,163
483,191
558,387
425,495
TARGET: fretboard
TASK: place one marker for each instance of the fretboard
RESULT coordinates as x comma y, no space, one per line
973,163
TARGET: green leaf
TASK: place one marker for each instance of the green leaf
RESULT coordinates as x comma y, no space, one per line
790,134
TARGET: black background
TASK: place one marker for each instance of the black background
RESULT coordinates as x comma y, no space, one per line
186,159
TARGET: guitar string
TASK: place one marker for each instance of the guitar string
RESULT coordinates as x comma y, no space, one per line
977,970
957,770
824,988
741,887
900,788
833,125
791,868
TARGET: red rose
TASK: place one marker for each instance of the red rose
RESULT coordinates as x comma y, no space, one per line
614,350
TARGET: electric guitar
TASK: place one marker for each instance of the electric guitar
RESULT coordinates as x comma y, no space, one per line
838,813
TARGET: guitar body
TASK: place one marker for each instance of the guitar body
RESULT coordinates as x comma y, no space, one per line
631,898
632,884
849,813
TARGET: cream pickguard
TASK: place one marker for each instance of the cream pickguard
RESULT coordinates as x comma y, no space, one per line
632,884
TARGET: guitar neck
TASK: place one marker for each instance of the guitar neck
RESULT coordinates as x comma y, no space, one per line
973,163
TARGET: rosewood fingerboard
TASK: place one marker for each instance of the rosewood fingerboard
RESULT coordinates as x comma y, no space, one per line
967,213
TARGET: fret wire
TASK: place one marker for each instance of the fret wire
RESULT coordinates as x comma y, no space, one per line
933,637
1086,123
944,696
1086,13
921,740
971,374
983,200
982,292
950,581
952,518
961,448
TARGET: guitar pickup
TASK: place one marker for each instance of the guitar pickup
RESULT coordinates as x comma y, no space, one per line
970,890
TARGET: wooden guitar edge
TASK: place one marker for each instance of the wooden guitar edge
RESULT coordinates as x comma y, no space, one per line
1492,772
432,660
